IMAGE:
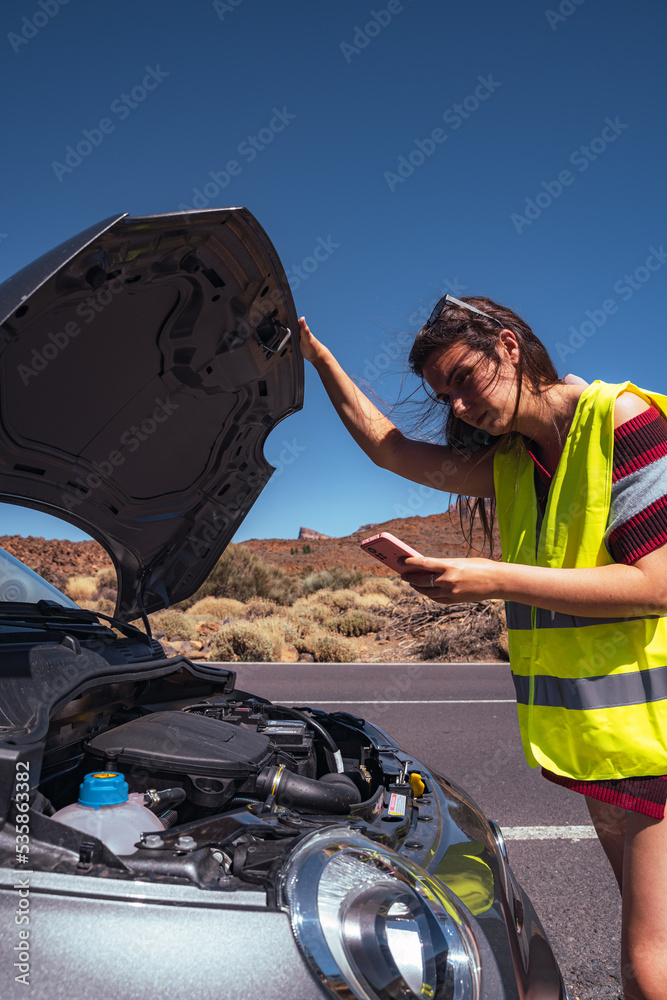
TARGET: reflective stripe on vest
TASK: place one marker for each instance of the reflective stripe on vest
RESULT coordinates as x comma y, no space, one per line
583,693
519,617
592,692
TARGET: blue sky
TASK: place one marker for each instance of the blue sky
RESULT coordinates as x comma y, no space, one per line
514,150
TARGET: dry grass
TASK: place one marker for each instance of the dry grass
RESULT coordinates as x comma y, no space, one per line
279,631
310,609
373,600
106,578
324,621
357,621
217,607
261,607
82,588
241,642
391,586
329,648
175,623
103,607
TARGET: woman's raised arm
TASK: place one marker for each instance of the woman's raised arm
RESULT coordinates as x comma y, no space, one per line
437,466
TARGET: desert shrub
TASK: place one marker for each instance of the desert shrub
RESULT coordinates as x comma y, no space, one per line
82,588
174,623
357,622
105,607
259,607
217,607
335,578
340,600
373,600
330,649
311,609
305,639
279,630
240,574
107,577
392,586
241,642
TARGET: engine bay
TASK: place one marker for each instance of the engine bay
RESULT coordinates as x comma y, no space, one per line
233,779
220,752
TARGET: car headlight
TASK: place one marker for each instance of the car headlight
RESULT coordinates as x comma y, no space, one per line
374,926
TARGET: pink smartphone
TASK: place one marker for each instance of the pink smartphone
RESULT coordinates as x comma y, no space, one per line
388,549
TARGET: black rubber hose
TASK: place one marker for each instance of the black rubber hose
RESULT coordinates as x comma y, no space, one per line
166,797
169,819
334,793
327,737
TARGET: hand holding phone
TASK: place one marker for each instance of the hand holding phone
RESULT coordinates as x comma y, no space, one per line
389,549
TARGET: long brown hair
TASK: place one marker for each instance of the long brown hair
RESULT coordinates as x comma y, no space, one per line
535,371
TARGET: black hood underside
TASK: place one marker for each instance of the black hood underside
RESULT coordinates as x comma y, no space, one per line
142,365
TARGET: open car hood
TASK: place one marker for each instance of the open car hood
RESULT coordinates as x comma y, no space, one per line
142,365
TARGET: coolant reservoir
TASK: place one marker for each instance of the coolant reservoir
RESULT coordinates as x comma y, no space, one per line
105,810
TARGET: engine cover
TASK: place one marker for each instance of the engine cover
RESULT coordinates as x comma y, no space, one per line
184,743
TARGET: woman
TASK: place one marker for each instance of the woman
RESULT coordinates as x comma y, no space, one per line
578,477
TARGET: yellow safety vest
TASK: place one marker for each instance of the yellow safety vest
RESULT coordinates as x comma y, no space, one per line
591,692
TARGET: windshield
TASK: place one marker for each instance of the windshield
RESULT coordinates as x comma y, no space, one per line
20,585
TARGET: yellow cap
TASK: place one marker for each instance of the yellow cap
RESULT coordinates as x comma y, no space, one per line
417,785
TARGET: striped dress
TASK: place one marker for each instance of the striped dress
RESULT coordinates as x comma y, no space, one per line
637,525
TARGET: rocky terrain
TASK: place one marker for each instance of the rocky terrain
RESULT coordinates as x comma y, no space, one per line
313,598
55,559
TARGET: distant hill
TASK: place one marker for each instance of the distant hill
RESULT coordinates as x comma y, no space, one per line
437,535
50,557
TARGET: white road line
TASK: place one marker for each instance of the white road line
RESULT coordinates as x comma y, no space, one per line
398,701
549,832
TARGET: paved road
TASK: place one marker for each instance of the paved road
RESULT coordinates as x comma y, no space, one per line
461,720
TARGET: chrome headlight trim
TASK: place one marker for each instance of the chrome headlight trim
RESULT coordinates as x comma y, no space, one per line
373,925
498,838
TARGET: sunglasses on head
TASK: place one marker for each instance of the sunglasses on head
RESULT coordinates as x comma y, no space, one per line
445,300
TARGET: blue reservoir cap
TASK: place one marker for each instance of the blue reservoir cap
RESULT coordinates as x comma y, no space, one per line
103,788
